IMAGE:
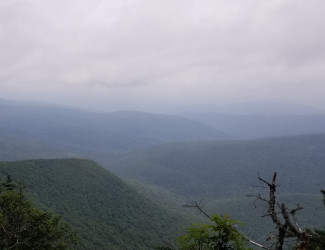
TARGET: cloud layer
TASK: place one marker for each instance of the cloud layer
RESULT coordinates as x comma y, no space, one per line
139,52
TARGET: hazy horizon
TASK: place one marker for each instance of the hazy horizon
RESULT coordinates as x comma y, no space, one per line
239,108
157,56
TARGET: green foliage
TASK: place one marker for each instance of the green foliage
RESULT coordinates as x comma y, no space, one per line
317,239
22,226
317,236
221,234
103,210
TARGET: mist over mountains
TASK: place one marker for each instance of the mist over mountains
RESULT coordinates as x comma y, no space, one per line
125,130
265,108
116,113
259,126
78,131
164,159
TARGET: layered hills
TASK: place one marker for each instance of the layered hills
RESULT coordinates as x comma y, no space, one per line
254,126
68,132
52,131
168,159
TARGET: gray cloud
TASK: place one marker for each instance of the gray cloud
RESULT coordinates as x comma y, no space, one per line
180,50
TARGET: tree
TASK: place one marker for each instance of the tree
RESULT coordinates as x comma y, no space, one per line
286,223
22,226
286,226
221,234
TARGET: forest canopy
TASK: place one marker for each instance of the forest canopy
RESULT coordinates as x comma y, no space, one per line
23,226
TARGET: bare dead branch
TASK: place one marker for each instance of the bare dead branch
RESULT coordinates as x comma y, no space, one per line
273,180
254,242
264,181
198,207
298,208
287,225
259,196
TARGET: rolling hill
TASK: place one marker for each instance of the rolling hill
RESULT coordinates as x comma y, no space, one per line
223,177
167,159
67,132
105,212
216,169
260,126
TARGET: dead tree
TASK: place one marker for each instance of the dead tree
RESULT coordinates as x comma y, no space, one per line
283,218
287,225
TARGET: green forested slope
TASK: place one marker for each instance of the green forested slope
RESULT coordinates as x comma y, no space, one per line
220,175
106,213
216,169
246,209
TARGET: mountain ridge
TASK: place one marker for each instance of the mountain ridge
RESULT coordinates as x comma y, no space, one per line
260,126
106,132
105,212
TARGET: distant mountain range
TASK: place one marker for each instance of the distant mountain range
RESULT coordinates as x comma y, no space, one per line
266,108
191,156
259,126
164,149
68,132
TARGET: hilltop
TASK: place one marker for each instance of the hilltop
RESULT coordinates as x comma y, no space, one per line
105,212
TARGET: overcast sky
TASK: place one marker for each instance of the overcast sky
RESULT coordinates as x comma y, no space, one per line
128,54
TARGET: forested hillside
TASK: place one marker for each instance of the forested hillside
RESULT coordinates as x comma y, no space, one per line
169,160
216,169
105,212
223,177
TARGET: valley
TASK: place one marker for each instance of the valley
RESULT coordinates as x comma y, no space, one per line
124,176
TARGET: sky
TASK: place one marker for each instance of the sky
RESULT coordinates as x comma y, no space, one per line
160,54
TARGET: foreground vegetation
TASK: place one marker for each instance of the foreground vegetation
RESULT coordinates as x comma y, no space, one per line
222,233
22,226
105,212
108,214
